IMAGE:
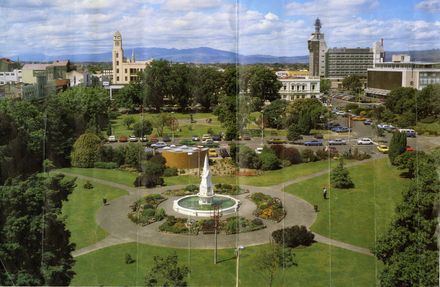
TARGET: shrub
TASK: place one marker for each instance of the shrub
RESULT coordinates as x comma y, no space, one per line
148,180
86,150
107,153
88,185
287,153
134,153
170,171
340,177
257,221
106,165
248,158
308,155
160,214
397,146
268,159
191,188
321,154
293,236
142,129
128,259
151,167
293,133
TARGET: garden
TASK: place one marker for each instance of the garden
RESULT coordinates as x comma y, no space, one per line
268,207
144,211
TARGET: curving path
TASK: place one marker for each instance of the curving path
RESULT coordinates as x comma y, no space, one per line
113,218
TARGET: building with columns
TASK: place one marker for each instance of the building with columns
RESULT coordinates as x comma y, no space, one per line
300,88
124,69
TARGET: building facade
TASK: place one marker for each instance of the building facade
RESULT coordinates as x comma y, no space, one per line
300,88
343,62
387,76
12,77
124,70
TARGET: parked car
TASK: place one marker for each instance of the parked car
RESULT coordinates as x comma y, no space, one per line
337,142
258,150
382,148
340,113
331,125
132,139
216,138
143,139
246,137
368,122
359,118
408,148
341,129
313,143
159,145
409,132
386,127
212,152
123,139
112,139
318,136
223,152
206,137
153,140
166,139
364,141
195,138
276,141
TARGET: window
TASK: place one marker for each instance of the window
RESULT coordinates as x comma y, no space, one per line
117,78
126,78
117,63
125,70
117,54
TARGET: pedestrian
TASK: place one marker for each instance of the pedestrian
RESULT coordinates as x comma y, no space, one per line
324,192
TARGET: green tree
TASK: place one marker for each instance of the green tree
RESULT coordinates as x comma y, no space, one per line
275,113
162,120
207,82
271,258
269,160
247,158
142,128
409,248
130,96
86,150
166,272
293,133
180,85
397,146
264,84
155,81
340,177
134,153
352,83
311,111
34,242
325,86
128,121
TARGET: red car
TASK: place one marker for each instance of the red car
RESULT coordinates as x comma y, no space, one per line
408,148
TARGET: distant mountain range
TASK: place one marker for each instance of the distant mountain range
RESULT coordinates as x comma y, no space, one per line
205,55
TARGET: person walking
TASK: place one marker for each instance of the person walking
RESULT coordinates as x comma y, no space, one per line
324,192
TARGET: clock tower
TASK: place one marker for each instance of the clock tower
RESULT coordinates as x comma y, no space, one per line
117,57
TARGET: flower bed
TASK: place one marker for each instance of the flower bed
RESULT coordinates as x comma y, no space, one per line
235,224
178,225
145,211
229,189
268,207
188,190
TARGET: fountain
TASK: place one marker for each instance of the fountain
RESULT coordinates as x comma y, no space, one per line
202,204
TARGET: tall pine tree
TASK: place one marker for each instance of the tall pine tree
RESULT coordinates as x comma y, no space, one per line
397,146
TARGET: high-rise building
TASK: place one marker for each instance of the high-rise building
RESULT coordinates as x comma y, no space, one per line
124,70
343,62
317,49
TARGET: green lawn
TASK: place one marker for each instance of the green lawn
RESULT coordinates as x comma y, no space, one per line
318,265
428,128
357,216
266,179
80,210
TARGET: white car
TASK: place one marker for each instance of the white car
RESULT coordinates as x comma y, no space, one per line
341,113
258,150
112,139
365,141
132,139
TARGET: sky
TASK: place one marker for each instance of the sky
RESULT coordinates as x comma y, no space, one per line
265,27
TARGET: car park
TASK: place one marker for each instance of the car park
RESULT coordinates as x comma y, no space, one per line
246,137
143,139
206,137
364,141
195,138
258,150
382,148
340,113
408,148
166,139
331,125
313,143
337,142
123,139
159,145
132,139
112,139
318,136
368,122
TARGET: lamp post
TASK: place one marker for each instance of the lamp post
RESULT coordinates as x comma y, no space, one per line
237,253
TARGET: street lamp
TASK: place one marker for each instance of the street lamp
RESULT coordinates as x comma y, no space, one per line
237,254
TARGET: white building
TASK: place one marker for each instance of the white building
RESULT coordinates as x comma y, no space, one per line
77,78
300,88
11,77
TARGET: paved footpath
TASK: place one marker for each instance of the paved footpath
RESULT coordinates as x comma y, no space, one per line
113,218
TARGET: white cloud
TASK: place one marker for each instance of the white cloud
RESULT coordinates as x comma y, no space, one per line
187,5
432,6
